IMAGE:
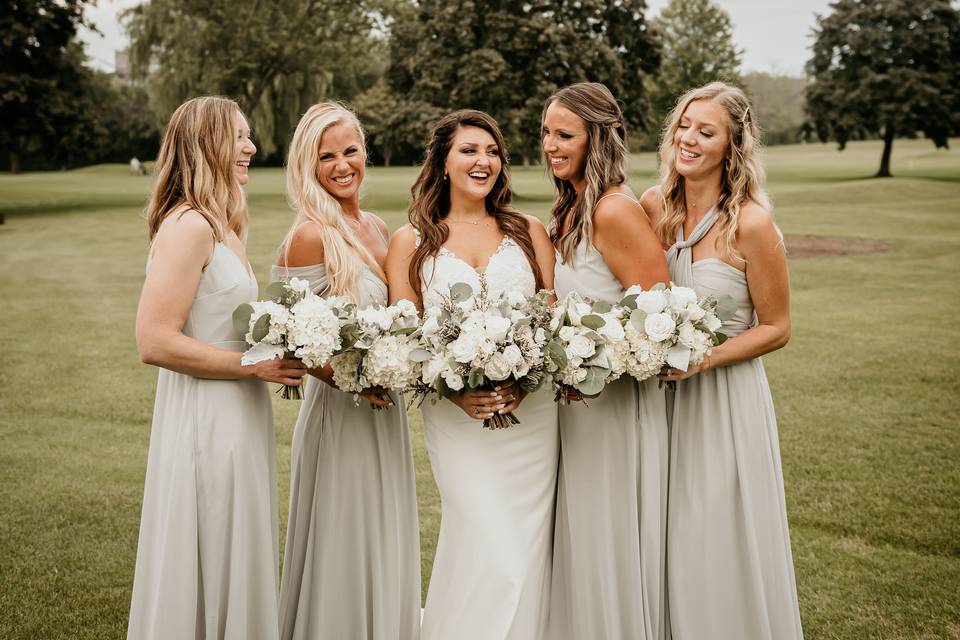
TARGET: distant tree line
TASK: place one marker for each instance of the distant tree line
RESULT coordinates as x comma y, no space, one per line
879,68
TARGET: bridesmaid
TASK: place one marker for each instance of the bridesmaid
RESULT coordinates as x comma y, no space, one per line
729,566
608,577
351,565
207,556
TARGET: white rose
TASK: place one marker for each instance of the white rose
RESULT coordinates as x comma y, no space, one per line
497,367
687,334
378,317
577,310
430,326
433,368
554,323
612,329
299,285
713,322
497,327
683,296
581,347
567,333
695,313
653,301
540,336
465,348
513,355
659,326
454,382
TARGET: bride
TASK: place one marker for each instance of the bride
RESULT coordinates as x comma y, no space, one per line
491,572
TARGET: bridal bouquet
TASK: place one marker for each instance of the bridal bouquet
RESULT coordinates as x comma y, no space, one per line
474,341
377,344
587,349
673,325
292,320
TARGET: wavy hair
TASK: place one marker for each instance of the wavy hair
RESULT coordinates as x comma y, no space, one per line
343,254
430,203
604,165
195,168
742,175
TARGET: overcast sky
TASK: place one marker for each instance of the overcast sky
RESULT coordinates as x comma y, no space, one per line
774,34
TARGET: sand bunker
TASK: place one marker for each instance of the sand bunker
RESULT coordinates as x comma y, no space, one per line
804,246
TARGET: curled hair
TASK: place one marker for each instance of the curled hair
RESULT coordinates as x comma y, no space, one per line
431,195
742,176
343,254
604,165
195,168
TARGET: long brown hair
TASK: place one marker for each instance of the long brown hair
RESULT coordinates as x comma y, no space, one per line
604,165
195,167
431,195
741,180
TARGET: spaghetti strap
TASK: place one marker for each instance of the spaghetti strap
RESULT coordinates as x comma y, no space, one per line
619,193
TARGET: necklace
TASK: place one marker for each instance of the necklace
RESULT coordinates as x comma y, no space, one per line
475,223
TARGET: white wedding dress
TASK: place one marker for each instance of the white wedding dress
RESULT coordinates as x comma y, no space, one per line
491,572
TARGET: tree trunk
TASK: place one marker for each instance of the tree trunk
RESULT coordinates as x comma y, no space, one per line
526,161
386,159
14,162
884,171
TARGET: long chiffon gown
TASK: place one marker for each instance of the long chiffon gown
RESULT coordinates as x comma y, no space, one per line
729,565
351,566
609,547
491,572
207,555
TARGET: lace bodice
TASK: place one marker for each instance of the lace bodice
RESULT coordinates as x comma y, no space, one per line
508,269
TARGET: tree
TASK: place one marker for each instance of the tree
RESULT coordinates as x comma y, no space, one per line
778,103
698,48
885,67
41,71
275,58
507,56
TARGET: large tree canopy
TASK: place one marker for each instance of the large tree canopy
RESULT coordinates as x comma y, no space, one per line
275,58
885,67
698,48
507,56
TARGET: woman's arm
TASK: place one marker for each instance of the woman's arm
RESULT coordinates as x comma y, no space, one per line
543,250
623,235
760,244
397,266
180,252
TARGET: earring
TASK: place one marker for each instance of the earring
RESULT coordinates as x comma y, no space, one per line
445,177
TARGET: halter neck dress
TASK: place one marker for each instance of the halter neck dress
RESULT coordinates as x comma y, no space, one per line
207,554
351,565
729,565
609,542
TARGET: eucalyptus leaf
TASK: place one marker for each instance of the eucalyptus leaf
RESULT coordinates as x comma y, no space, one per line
599,359
261,328
275,291
460,291
630,301
594,382
557,354
592,321
476,379
637,318
721,337
601,306
241,318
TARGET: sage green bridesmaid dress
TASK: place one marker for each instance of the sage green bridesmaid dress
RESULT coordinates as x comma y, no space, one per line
207,555
729,566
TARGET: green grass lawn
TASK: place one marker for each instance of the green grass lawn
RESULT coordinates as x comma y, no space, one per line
866,392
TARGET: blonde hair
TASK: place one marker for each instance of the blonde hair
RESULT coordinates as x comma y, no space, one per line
742,177
195,168
604,165
344,254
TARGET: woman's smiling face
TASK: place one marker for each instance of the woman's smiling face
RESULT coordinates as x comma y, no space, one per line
473,164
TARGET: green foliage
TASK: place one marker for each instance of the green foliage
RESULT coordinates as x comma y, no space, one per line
506,57
274,58
395,124
698,48
778,103
885,67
